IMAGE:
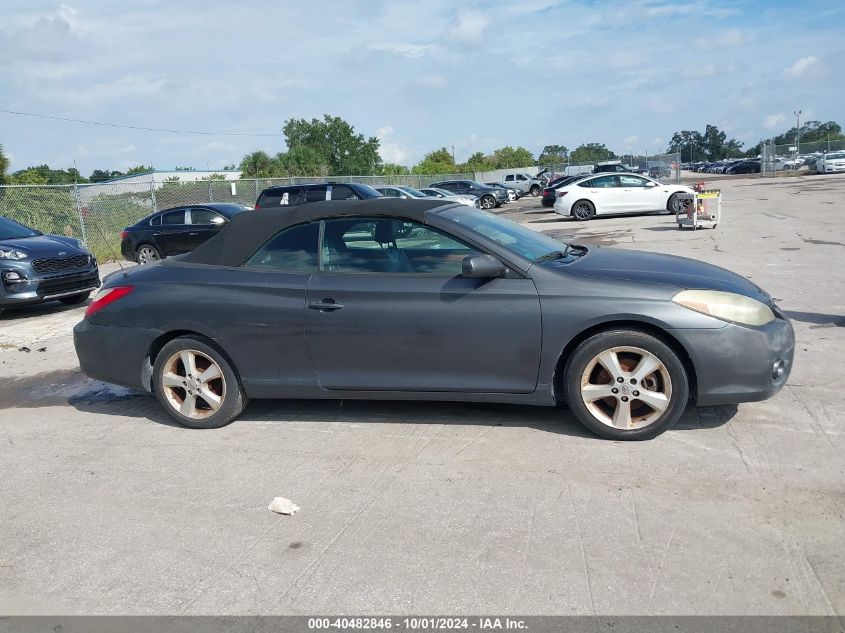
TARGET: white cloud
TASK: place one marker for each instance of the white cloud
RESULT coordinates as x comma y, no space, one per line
433,81
708,70
389,151
631,141
469,26
403,49
531,6
773,120
803,66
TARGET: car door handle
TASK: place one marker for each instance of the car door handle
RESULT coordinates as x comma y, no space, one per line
193,234
326,305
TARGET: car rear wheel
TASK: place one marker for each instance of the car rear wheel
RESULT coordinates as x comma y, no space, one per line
626,385
535,190
73,300
488,202
147,254
196,384
583,210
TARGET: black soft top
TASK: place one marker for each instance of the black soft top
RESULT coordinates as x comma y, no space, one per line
247,231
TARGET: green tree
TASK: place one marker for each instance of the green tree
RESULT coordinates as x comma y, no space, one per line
99,175
29,176
508,157
139,169
341,150
256,165
439,161
591,153
392,169
299,161
811,132
4,166
553,154
477,162
688,143
711,145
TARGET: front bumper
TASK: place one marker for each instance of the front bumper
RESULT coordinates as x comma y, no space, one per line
34,288
741,363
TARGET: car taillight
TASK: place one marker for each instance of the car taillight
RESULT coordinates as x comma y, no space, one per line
124,235
106,297
547,192
256,206
560,194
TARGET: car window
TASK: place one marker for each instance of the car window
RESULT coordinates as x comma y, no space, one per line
316,193
521,177
155,221
343,192
390,192
279,197
293,250
602,182
509,178
173,218
632,181
390,246
206,217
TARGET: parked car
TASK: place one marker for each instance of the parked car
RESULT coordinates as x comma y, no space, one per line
293,195
443,194
744,167
526,183
513,194
400,191
660,172
605,194
548,199
831,163
175,231
614,166
436,301
488,197
36,267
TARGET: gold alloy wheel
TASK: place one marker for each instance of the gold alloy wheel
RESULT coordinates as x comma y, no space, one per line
193,384
626,388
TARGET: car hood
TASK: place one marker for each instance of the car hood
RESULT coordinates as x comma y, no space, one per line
44,245
669,270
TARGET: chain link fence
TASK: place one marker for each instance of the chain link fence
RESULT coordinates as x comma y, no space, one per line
663,167
797,156
97,213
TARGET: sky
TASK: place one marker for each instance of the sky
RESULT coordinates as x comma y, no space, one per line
419,75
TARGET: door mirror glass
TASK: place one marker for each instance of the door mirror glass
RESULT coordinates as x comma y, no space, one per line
482,267
651,184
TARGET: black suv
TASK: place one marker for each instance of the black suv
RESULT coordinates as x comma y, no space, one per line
489,197
291,195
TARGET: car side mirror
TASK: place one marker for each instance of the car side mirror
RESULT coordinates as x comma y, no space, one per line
651,184
482,267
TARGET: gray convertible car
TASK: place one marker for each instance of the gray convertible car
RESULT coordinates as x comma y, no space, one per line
426,300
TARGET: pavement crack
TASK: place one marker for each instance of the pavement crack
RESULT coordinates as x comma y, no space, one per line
660,569
583,551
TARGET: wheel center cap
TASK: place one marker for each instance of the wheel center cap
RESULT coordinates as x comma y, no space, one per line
625,390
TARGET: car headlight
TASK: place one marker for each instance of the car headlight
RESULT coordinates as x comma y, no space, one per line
12,254
727,306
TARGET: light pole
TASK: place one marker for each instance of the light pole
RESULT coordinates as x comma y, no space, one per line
797,114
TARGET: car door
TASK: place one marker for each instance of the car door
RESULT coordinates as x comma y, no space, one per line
172,238
390,311
203,224
604,193
639,194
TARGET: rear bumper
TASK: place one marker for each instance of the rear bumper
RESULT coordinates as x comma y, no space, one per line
740,363
113,354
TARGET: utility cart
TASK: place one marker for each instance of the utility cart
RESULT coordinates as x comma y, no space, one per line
702,208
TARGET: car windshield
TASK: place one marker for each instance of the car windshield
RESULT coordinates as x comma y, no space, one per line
414,192
11,230
508,234
837,155
440,191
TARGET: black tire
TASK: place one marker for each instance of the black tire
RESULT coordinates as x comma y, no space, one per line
672,203
583,210
535,190
488,202
73,300
234,400
147,253
588,350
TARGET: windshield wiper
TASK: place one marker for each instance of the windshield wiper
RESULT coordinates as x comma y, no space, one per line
553,255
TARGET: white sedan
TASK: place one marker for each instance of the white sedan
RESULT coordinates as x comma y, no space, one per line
831,163
609,194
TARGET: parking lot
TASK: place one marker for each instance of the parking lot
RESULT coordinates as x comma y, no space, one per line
446,508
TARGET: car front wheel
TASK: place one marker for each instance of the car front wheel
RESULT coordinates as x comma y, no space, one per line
535,191
583,210
196,384
626,385
488,202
